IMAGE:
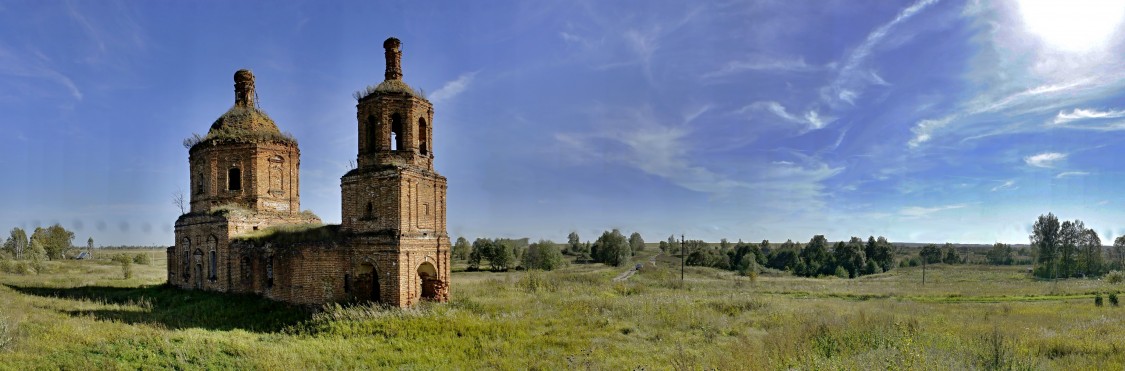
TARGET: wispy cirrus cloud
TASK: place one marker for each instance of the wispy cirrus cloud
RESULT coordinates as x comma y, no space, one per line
852,79
922,212
1044,160
763,63
453,88
1084,114
1008,184
811,119
1071,174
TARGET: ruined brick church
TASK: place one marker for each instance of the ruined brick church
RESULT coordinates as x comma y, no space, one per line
246,233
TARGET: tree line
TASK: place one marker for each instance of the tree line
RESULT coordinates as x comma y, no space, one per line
818,257
1069,249
54,243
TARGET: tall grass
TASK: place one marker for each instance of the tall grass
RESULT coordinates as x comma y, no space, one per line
572,318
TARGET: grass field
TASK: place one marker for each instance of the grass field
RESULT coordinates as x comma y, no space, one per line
83,315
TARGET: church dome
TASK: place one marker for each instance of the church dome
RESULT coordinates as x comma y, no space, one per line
244,122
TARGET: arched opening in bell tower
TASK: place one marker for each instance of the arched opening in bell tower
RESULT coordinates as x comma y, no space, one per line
372,131
396,132
422,145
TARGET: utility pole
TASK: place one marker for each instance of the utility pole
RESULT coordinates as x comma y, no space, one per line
683,257
923,271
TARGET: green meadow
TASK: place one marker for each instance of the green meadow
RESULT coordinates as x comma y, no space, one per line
85,315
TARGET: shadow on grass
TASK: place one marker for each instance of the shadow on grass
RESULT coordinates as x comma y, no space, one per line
178,309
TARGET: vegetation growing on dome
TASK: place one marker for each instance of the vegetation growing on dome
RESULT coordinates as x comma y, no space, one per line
388,86
242,125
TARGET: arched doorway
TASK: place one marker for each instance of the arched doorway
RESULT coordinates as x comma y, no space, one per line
428,277
367,283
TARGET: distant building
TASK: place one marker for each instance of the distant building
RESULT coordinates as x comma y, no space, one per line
245,232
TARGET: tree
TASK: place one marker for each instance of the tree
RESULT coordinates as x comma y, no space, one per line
1045,239
884,254
785,257
1119,253
573,243
815,257
55,240
1070,237
850,256
16,243
951,256
178,200
612,248
542,255
36,254
1000,254
1091,245
503,256
482,249
664,246
636,243
930,254
461,249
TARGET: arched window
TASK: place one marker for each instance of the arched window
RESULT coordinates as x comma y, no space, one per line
234,179
368,212
372,140
422,144
211,270
396,132
213,259
187,258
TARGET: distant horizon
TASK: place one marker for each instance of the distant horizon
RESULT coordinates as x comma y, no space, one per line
932,120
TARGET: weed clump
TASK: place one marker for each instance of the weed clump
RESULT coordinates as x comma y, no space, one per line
535,280
1113,299
1098,299
142,258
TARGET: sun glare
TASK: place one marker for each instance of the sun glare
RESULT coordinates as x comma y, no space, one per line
1073,25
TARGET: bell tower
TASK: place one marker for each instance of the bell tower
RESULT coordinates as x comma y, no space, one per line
393,201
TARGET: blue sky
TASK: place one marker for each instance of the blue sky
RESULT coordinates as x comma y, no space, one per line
926,121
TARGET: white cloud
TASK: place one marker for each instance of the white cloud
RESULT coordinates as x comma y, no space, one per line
642,139
1071,173
762,63
921,212
453,88
1044,160
811,119
1083,114
1008,184
851,79
924,130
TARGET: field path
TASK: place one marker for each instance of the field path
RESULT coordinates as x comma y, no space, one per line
629,273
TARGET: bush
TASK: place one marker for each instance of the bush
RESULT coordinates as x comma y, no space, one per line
1115,277
841,272
1113,299
142,258
1098,299
126,265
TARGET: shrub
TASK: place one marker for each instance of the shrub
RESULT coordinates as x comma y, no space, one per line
1098,299
142,258
841,272
126,265
1115,277
1113,299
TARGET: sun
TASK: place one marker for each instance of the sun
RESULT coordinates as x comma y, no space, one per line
1076,26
